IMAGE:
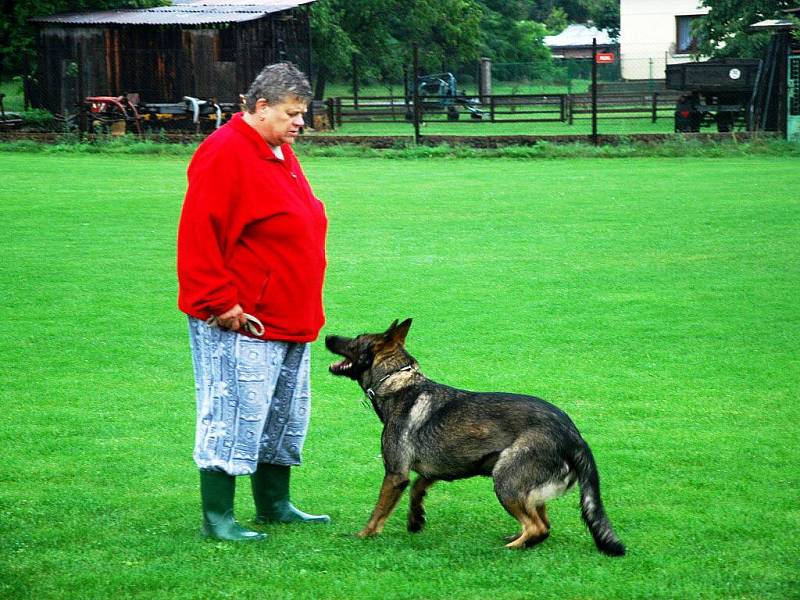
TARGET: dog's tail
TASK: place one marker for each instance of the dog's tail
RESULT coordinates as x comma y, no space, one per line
591,505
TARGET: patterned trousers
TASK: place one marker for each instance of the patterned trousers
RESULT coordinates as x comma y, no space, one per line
253,399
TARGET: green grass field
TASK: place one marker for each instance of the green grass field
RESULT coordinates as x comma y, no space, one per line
466,126
655,300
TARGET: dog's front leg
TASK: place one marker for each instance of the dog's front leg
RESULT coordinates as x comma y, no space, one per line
391,490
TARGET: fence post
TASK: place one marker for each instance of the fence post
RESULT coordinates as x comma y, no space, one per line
594,91
415,90
570,108
339,109
82,118
329,103
26,83
655,106
355,81
491,108
485,79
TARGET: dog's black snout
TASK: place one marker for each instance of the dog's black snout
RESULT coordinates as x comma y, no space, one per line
331,342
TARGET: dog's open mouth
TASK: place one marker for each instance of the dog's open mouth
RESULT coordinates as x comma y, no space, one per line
343,367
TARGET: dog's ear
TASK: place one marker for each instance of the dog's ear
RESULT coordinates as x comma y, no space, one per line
397,333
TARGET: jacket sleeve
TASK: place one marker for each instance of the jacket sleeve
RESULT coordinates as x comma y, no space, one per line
210,224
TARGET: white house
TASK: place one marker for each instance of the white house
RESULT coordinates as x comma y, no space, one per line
576,41
655,33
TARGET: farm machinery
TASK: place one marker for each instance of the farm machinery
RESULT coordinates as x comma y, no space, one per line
715,92
439,92
115,114
745,92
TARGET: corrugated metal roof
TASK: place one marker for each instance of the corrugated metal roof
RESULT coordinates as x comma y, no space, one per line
773,24
578,35
194,12
267,4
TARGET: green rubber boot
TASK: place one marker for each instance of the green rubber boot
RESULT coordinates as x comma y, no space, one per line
216,491
271,494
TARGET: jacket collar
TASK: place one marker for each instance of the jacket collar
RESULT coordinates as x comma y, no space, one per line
242,128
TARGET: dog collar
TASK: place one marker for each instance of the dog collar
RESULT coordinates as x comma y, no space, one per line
371,391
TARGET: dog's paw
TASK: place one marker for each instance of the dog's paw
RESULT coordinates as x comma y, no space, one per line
518,542
366,532
415,525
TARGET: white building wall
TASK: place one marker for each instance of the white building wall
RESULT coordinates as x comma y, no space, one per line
648,33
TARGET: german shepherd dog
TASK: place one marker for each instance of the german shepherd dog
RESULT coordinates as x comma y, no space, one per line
531,449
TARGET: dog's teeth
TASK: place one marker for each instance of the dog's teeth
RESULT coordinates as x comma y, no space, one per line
342,366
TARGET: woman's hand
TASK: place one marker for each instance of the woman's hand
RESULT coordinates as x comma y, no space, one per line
232,319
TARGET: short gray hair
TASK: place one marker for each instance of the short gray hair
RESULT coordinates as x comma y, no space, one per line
276,83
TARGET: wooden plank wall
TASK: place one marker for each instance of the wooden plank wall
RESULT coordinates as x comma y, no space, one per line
165,63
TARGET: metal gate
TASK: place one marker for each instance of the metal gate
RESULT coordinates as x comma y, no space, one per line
793,104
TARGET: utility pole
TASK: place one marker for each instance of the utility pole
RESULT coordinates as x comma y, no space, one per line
594,91
415,89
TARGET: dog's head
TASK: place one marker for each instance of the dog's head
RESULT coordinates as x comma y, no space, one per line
370,352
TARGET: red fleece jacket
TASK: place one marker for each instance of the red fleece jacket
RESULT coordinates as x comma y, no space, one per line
252,233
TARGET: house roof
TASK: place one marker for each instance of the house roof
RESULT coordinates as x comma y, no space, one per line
577,35
773,24
182,12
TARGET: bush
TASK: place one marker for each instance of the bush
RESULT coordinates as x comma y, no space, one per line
37,119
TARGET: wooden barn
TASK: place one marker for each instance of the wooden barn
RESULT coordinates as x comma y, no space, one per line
201,48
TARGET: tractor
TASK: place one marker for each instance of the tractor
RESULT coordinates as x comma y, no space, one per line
439,92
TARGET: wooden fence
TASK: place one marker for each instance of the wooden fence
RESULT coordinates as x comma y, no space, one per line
530,108
623,105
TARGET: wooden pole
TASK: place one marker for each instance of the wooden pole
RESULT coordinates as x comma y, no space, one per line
355,81
415,91
26,82
594,91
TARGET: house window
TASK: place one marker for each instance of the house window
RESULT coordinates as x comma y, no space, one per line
686,41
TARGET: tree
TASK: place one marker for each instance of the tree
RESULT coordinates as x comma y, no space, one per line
447,31
17,35
332,45
514,41
379,35
724,30
604,14
556,21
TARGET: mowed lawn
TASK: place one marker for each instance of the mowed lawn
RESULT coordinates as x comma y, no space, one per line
655,300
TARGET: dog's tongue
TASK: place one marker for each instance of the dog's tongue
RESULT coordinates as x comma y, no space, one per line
340,367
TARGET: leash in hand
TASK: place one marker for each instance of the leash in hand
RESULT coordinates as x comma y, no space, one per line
252,325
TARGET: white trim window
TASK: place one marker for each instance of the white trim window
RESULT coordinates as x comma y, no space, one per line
685,38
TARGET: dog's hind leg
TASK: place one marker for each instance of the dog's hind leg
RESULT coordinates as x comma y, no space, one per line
533,530
541,510
518,474
416,512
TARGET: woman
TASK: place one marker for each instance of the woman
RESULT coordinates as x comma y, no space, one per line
251,262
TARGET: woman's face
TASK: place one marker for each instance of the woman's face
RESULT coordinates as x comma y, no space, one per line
282,121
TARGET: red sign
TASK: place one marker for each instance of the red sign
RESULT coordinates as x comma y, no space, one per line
604,58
